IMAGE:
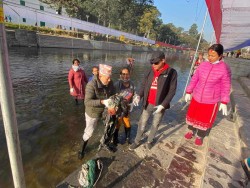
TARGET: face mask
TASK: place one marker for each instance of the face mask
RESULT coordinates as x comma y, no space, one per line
125,81
75,68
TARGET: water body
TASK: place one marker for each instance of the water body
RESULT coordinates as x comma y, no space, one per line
50,124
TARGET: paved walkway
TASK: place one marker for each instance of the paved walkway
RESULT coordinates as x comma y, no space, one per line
176,162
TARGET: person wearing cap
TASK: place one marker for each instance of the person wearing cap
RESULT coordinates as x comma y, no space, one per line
77,80
157,90
98,90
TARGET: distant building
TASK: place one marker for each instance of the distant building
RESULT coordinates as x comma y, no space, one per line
36,13
13,12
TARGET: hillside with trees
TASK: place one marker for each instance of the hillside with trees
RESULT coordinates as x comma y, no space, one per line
138,17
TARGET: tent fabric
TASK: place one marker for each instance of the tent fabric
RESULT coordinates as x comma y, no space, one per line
230,19
216,16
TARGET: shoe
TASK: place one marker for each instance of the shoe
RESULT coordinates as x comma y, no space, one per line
149,145
82,151
198,141
133,146
128,141
80,155
115,137
116,142
76,101
188,135
127,135
109,148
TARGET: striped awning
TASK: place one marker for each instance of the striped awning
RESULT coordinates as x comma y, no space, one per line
231,22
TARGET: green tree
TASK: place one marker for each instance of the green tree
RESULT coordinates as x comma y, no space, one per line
139,17
193,30
165,33
146,22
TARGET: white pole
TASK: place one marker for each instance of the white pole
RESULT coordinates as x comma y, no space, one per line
8,110
202,29
36,22
71,32
212,39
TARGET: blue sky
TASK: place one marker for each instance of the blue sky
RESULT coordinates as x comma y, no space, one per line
183,13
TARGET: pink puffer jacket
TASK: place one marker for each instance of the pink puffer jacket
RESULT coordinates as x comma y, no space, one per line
211,83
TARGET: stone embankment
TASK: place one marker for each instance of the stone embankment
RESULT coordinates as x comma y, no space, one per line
24,38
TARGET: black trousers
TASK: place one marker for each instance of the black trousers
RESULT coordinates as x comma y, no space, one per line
200,133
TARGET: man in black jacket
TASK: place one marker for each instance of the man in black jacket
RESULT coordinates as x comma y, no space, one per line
158,89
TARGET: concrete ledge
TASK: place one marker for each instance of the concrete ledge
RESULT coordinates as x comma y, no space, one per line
239,67
241,104
21,37
245,84
137,48
128,47
97,45
11,38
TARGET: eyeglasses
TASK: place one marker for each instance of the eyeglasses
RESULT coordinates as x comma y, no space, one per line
124,74
157,63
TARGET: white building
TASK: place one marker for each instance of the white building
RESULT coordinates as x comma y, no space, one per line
13,13
34,12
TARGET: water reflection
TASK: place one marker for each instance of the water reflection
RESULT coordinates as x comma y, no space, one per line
50,124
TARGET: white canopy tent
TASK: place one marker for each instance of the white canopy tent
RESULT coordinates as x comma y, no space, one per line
231,22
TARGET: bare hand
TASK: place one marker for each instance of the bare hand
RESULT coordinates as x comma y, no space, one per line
112,111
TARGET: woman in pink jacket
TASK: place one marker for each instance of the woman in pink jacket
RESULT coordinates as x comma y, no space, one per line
77,81
210,89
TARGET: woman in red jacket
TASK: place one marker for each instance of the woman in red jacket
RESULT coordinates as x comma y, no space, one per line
77,81
210,89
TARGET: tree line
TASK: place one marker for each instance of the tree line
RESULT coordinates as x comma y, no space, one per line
139,17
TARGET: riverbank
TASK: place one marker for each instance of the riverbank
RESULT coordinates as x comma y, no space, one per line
27,38
174,161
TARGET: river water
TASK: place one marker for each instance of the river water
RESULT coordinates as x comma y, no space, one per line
50,124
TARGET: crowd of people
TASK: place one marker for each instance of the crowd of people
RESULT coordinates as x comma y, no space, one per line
208,91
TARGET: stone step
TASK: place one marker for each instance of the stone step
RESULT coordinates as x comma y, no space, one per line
245,84
241,103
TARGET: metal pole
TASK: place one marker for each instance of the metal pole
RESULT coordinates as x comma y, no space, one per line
204,22
8,110
36,22
212,39
72,33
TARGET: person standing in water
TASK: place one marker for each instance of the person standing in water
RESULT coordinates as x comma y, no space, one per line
210,91
95,71
130,63
77,81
